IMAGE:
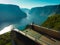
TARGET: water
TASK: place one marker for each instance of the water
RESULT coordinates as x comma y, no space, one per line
24,22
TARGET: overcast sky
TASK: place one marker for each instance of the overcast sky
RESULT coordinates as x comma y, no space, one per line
31,3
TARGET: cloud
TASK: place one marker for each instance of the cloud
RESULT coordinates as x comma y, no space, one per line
6,29
8,2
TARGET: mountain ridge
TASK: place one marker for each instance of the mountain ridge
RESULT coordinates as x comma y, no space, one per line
10,14
40,14
53,22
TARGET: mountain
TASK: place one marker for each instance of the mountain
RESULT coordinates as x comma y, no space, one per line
40,14
10,14
53,22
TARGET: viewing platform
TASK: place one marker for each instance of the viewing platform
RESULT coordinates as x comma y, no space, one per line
32,37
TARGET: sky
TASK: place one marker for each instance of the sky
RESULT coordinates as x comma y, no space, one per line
30,3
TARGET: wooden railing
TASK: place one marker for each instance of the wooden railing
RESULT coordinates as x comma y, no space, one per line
46,31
